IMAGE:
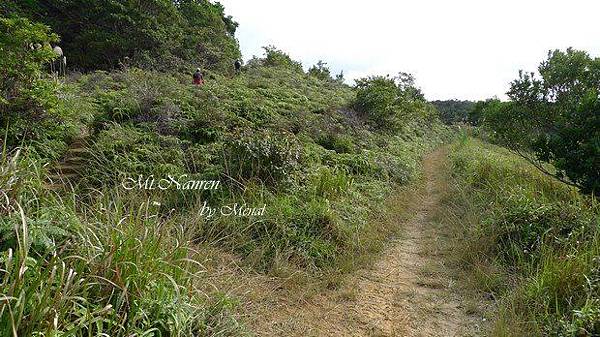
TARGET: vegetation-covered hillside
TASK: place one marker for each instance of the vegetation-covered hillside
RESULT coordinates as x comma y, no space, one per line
122,186
303,163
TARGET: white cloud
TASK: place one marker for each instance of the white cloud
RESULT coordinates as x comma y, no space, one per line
456,49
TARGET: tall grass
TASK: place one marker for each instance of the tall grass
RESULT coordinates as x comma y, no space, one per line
528,241
120,272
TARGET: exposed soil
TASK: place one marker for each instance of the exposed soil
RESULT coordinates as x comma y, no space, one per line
407,292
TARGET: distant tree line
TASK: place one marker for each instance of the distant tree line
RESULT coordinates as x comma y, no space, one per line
454,111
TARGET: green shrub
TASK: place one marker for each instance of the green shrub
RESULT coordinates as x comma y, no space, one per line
278,58
271,158
30,110
377,97
302,232
385,101
320,71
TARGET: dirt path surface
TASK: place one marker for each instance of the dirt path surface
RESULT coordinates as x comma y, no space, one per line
405,293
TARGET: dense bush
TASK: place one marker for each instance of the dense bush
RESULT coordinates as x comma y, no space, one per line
269,157
378,96
159,34
276,58
388,102
27,98
322,72
22,64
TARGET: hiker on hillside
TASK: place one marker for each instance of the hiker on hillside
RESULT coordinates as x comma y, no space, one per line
238,66
198,78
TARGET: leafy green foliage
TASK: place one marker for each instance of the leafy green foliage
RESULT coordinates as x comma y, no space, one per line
476,115
277,58
30,109
320,71
21,62
454,111
556,116
268,157
387,102
160,34
378,96
25,96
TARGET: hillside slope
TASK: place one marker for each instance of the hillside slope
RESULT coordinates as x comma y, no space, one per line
106,256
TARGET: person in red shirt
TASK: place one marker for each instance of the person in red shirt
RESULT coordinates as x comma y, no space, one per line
198,78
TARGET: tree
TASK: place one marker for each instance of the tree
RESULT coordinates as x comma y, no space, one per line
476,114
407,87
209,35
277,58
161,34
556,117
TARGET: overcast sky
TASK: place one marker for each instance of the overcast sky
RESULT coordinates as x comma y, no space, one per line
456,49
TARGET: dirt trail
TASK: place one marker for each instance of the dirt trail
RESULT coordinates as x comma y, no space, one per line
405,293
